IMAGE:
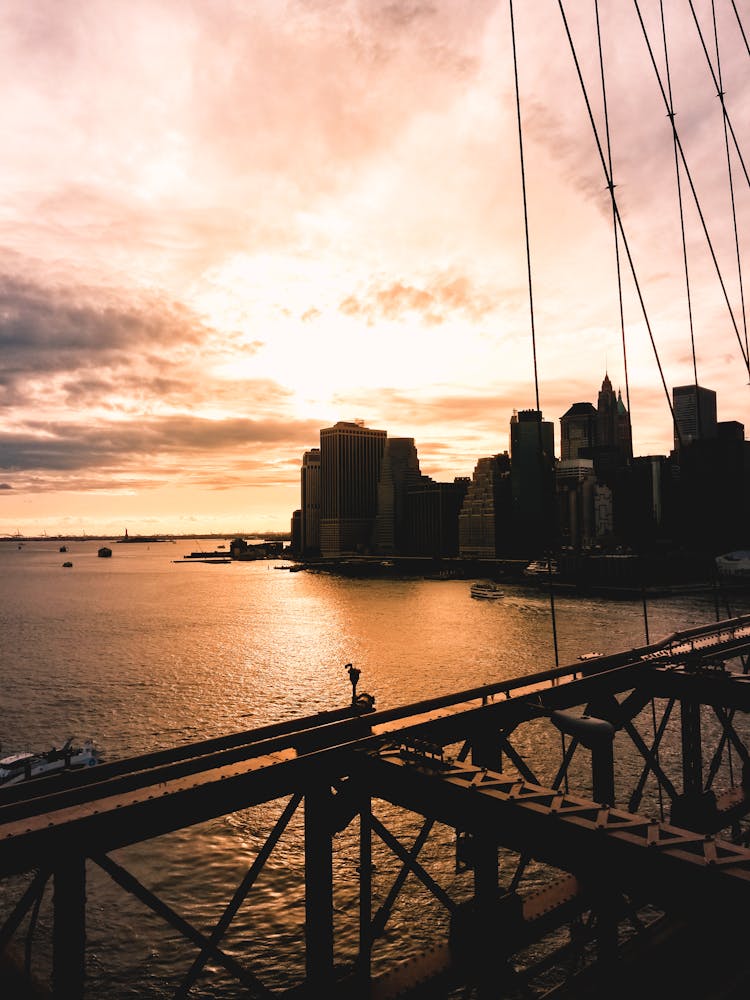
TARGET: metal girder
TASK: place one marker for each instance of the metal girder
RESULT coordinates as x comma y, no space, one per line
609,847
709,687
130,884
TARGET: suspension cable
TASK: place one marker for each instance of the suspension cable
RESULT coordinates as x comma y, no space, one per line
525,204
626,245
611,187
742,30
680,201
721,96
692,187
546,486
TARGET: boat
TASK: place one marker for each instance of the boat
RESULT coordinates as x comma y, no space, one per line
19,767
486,590
104,552
63,548
67,564
734,566
541,567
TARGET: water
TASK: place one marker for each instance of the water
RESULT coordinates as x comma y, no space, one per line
141,653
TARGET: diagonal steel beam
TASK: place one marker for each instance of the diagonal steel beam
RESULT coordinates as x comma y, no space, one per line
239,896
427,880
131,884
32,892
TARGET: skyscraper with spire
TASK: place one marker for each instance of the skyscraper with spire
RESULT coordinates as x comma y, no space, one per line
613,421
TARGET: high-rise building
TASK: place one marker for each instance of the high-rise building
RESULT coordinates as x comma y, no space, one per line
350,459
612,421
310,503
433,511
575,486
694,414
577,430
399,472
532,457
482,514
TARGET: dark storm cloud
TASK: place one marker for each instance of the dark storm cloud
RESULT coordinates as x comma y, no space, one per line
121,447
47,330
85,347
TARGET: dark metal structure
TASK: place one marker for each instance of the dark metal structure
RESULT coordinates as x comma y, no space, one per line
651,841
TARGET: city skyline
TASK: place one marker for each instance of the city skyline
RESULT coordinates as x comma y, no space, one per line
224,230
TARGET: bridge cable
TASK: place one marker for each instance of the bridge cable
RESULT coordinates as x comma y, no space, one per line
611,188
719,93
620,225
683,158
548,513
742,30
678,178
724,118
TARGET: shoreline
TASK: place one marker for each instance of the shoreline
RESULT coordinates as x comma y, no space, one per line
511,572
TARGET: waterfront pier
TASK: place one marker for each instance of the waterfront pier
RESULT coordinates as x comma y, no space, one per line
622,782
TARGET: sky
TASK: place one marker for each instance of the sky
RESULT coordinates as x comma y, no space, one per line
227,225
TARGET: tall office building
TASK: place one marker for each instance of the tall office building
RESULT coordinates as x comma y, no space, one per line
399,472
612,421
577,430
694,414
433,511
310,503
532,458
575,491
483,514
350,459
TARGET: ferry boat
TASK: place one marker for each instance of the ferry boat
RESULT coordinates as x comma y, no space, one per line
19,767
486,590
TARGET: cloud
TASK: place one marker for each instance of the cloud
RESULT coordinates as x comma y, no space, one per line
435,301
170,446
48,330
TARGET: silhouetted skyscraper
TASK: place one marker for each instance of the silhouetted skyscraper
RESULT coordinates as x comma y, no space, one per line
483,513
399,472
310,503
350,458
612,421
532,457
577,430
694,414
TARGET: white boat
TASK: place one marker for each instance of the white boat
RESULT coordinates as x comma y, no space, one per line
734,566
486,590
19,767
541,567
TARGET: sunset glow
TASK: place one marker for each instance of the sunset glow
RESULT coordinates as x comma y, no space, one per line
224,226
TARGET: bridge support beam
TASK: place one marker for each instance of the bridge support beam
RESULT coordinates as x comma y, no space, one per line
319,825
486,752
365,895
69,931
694,809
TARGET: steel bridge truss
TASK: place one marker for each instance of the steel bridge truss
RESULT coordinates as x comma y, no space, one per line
590,809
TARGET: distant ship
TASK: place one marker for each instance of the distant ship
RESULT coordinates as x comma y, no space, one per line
141,538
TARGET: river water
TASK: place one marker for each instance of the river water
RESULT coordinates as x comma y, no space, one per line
144,651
